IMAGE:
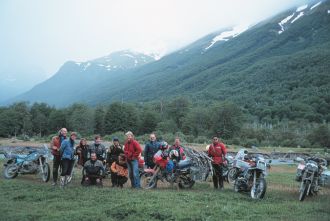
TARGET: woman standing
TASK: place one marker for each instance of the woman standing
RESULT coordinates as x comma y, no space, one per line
82,152
67,157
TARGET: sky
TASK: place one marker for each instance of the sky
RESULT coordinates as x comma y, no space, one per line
38,36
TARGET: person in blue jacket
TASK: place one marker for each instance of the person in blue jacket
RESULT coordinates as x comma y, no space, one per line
151,147
67,151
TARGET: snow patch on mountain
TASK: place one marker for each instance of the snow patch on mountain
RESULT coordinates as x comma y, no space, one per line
301,8
328,11
314,6
283,22
227,35
296,18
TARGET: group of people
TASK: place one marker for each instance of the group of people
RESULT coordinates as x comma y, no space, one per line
121,161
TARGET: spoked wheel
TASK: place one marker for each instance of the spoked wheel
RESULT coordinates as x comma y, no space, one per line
303,190
186,183
45,175
10,171
260,189
232,175
148,180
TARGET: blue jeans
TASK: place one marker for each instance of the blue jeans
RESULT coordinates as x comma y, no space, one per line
133,171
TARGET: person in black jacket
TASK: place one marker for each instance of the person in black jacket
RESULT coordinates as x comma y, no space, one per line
112,156
98,148
93,172
82,152
150,148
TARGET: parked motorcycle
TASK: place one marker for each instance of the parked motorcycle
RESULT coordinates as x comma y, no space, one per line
184,173
309,174
251,175
35,162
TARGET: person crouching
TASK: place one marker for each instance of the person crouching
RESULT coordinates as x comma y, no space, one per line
93,172
119,171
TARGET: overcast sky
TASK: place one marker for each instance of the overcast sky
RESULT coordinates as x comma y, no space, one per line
41,35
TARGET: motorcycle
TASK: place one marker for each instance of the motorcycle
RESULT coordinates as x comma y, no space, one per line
309,175
184,173
35,162
251,177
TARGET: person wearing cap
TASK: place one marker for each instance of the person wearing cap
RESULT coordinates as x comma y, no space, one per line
98,148
55,147
151,147
217,151
67,151
132,151
112,156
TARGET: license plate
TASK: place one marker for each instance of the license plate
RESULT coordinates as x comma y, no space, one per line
301,166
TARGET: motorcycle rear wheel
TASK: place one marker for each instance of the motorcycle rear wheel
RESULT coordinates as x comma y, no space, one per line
260,190
46,174
10,171
148,180
186,183
232,175
303,190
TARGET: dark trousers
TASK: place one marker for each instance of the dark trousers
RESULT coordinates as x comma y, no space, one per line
56,166
92,180
118,180
217,175
67,166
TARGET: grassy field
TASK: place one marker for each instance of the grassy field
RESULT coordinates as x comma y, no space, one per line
27,198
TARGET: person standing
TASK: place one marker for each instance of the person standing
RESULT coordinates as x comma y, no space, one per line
217,151
67,157
112,156
82,152
55,148
151,147
98,148
132,151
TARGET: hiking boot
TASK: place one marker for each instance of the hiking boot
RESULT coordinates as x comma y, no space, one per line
54,183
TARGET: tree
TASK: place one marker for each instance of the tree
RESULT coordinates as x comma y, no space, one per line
226,120
80,119
148,122
177,110
99,116
120,117
320,136
40,118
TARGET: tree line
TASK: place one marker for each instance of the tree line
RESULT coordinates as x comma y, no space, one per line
179,117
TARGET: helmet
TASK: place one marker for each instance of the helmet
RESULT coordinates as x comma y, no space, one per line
174,154
163,145
207,147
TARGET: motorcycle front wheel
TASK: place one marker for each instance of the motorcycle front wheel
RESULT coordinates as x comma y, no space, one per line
148,180
260,189
303,190
232,175
10,171
46,174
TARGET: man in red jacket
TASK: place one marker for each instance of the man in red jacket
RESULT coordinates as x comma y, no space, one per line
217,151
55,145
132,151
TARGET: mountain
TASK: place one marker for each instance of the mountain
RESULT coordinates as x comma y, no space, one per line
75,78
276,68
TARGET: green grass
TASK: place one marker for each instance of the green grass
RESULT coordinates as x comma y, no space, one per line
27,198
